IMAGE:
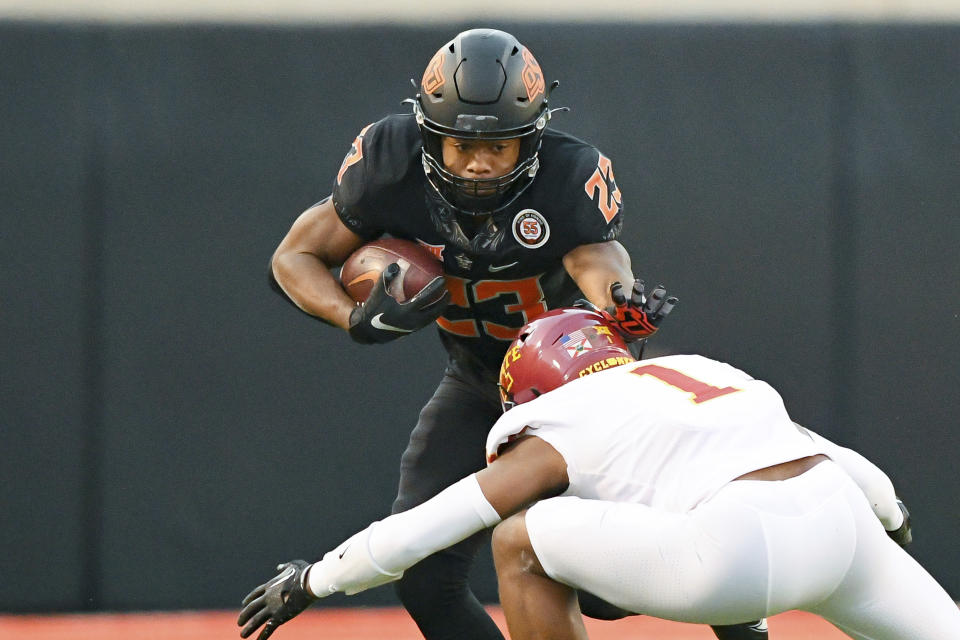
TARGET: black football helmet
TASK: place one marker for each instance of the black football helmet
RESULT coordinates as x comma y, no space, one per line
485,85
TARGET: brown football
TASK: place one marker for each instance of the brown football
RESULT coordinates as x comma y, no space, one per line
418,268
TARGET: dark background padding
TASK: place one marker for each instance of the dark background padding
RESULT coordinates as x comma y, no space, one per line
171,429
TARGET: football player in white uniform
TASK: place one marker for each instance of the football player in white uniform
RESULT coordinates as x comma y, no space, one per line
675,486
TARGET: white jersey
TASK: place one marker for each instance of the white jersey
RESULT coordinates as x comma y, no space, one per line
681,428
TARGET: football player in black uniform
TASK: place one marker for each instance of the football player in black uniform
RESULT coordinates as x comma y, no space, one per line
525,219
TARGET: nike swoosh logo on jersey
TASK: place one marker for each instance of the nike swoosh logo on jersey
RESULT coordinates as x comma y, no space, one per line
377,324
495,268
343,552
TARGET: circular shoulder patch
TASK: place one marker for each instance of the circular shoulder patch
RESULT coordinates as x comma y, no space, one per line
531,229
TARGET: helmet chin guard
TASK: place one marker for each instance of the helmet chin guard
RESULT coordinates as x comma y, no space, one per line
555,348
482,85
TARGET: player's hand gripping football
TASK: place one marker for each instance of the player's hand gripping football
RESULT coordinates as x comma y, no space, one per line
382,319
639,316
280,599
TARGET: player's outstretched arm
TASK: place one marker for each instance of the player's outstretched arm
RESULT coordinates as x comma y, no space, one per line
317,242
594,267
876,486
529,469
600,270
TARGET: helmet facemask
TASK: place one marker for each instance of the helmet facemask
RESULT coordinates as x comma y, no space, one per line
478,196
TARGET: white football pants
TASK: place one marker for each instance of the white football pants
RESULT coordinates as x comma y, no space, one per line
755,549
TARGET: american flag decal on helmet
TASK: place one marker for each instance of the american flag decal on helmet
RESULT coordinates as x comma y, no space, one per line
576,343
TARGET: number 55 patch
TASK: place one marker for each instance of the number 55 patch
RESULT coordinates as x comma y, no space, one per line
531,229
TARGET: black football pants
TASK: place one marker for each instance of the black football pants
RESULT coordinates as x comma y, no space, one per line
446,445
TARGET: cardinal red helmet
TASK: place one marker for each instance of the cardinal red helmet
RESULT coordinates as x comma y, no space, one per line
555,348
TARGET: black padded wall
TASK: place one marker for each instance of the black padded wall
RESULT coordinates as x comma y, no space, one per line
172,429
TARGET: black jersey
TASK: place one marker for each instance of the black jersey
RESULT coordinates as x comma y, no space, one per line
502,270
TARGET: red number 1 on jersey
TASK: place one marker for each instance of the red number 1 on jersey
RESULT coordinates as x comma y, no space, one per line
701,390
